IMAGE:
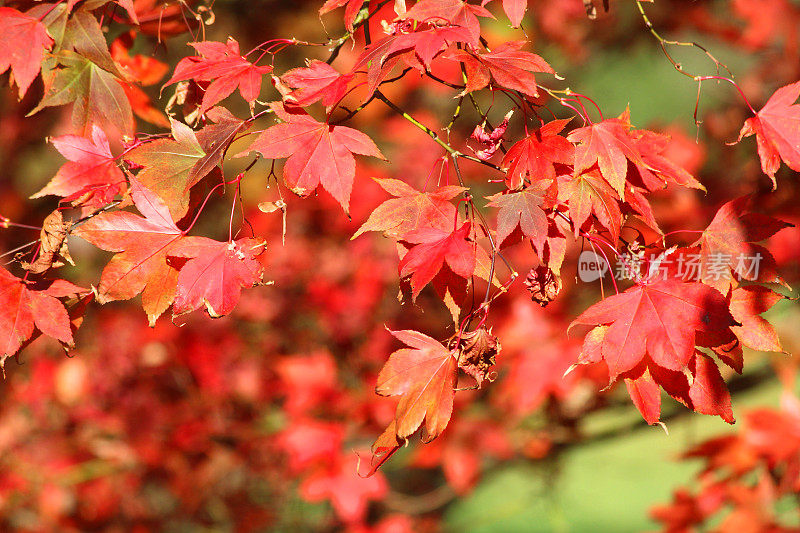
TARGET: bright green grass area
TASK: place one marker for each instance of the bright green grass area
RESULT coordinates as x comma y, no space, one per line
608,486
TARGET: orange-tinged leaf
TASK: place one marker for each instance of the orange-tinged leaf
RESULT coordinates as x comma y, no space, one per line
142,246
96,94
168,164
523,209
589,194
657,170
411,209
424,375
508,65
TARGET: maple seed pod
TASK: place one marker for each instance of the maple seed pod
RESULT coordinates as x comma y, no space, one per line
476,353
543,284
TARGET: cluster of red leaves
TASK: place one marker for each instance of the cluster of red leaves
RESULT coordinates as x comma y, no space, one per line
744,476
562,181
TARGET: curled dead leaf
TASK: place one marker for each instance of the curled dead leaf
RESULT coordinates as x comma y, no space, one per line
53,244
477,351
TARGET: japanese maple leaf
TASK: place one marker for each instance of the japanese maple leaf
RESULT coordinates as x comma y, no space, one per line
589,194
534,156
429,42
350,12
659,319
777,130
417,48
747,304
142,245
435,247
411,209
524,208
215,273
26,307
319,154
728,240
706,394
657,170
96,94
23,41
348,493
91,171
424,376
84,34
610,145
318,81
515,10
223,65
215,139
636,200
167,166
456,12
507,65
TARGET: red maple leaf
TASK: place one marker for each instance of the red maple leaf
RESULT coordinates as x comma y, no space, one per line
727,243
524,208
411,209
515,11
350,12
659,319
424,375
318,154
454,12
657,170
27,307
610,145
435,247
777,130
91,175
142,246
706,394
223,65
509,66
23,41
418,49
318,81
747,304
534,157
215,273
